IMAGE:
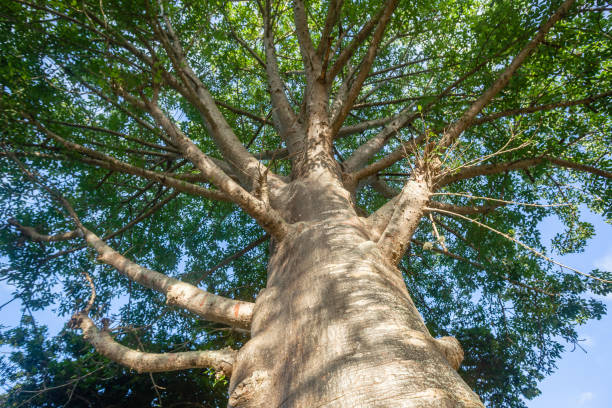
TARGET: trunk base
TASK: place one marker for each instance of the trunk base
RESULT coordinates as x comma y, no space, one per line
335,327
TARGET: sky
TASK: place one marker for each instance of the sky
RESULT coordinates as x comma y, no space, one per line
582,380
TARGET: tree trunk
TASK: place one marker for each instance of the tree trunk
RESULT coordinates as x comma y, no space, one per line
335,326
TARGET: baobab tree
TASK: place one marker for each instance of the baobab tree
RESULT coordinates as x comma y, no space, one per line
389,153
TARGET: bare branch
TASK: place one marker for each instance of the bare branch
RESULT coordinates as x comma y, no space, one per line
362,126
197,93
103,343
404,119
243,112
204,304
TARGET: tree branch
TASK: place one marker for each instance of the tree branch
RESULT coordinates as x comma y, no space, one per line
204,304
110,163
35,236
220,360
496,168
533,109
457,128
310,57
348,52
364,66
407,210
267,217
465,210
193,89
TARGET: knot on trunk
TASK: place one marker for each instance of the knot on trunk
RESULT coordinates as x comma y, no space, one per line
249,389
451,349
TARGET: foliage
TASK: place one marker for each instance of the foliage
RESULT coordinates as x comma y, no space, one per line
512,311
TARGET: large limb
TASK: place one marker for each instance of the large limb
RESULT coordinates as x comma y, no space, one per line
405,215
258,208
233,151
285,119
219,360
310,56
208,306
204,304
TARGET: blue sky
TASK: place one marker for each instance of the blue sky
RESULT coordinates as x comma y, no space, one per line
582,380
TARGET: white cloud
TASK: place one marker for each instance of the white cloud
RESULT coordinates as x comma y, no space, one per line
585,397
604,263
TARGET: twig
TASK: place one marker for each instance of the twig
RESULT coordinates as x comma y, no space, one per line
536,252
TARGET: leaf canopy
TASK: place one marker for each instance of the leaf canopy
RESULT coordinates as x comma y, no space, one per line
70,66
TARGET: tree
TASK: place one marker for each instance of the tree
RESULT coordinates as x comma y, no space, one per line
386,151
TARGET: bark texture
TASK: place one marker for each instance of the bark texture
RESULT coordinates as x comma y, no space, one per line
335,326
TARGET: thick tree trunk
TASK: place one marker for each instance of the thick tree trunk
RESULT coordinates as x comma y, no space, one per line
335,326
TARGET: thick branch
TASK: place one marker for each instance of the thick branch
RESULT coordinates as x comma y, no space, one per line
204,304
284,117
407,213
247,167
220,360
348,52
362,127
267,217
325,43
35,236
310,57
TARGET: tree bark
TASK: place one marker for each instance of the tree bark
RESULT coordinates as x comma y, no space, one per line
336,327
